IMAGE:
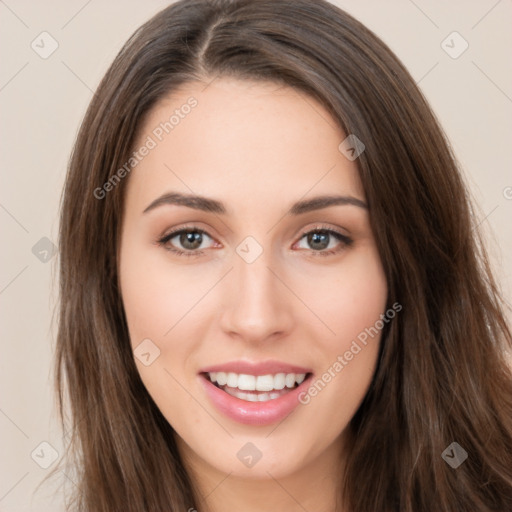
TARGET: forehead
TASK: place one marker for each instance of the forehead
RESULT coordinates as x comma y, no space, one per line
255,142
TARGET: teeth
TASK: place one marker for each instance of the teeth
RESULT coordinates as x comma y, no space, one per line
290,380
232,380
221,378
279,381
246,382
252,397
264,383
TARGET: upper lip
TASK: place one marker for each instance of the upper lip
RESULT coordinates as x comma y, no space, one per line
256,368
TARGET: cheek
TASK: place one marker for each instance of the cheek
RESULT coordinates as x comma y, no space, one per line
162,303
347,298
360,325
156,303
363,295
350,303
156,295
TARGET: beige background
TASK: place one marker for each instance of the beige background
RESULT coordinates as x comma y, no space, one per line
43,100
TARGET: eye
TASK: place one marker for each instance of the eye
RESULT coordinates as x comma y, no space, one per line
191,239
320,239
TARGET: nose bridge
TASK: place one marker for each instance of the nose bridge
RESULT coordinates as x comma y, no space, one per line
257,307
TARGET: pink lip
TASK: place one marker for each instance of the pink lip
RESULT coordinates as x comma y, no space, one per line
262,368
254,413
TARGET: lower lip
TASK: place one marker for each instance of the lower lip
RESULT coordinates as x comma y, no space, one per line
254,413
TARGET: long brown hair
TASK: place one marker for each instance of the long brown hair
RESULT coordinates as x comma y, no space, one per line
442,373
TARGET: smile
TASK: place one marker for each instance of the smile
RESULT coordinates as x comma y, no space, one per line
255,400
255,388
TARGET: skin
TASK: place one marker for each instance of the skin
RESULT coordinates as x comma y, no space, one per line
258,148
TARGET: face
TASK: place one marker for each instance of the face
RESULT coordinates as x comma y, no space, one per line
255,285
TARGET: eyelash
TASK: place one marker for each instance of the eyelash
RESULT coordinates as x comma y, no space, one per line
346,241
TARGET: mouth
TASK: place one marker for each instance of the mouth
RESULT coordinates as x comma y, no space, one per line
256,388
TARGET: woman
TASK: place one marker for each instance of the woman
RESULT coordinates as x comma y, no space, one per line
273,293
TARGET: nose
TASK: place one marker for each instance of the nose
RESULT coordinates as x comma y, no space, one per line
258,304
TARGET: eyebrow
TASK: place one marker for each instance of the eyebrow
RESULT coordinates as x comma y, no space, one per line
214,206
